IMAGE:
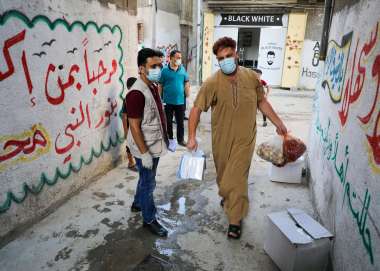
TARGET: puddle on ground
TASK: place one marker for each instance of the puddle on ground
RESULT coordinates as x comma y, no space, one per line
165,207
181,206
131,247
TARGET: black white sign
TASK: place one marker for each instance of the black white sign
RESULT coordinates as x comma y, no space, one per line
252,19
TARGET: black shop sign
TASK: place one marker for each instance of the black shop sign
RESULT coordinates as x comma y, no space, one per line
252,19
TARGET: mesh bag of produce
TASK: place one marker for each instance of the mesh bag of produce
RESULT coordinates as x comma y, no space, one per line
272,151
293,148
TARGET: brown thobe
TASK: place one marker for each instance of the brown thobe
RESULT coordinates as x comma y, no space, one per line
233,119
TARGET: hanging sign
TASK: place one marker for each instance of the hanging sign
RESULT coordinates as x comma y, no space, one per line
252,19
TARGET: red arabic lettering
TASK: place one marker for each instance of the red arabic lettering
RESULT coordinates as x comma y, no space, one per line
7,44
23,145
114,68
107,114
72,127
68,147
99,122
375,72
11,69
374,140
351,95
100,67
62,86
88,116
26,72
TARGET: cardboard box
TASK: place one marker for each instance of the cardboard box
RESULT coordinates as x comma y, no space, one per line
290,173
296,242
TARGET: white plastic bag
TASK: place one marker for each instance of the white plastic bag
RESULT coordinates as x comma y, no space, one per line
271,150
192,166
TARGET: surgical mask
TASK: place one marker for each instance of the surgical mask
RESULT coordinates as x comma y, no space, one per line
178,62
154,75
228,65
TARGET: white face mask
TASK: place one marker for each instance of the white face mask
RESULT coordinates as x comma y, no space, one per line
178,62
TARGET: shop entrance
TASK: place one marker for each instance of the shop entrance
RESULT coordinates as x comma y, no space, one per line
248,47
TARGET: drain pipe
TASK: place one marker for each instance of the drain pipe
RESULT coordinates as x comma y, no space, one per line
329,7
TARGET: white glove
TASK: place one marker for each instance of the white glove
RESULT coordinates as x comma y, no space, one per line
147,160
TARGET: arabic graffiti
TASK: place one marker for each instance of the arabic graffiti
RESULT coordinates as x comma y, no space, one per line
335,67
27,146
347,85
339,158
166,51
61,92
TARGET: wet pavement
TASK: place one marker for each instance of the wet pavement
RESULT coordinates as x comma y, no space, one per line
95,229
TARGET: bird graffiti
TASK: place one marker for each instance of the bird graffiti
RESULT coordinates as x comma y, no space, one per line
48,43
40,54
72,51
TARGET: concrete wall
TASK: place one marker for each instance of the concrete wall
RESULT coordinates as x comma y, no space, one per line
63,65
293,49
344,150
146,15
207,43
168,33
314,25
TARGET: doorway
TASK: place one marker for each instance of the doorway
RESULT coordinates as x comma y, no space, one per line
248,46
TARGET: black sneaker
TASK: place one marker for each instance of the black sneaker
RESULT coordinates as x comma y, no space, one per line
135,208
156,228
182,143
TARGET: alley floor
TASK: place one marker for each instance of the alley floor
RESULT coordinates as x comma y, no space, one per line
95,229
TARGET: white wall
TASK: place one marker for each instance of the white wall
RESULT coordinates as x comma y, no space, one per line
59,117
146,15
309,73
344,150
168,33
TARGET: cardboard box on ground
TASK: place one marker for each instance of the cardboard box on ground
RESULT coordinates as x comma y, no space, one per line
296,242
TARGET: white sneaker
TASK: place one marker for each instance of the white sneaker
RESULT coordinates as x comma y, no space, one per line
172,145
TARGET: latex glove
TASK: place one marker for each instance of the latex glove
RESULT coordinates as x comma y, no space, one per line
192,144
147,160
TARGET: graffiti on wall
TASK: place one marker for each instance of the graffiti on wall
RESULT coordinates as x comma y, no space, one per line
61,93
166,51
351,80
335,67
346,84
339,157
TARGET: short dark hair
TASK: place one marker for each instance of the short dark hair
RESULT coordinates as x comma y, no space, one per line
144,54
172,53
130,82
222,43
257,71
159,53
271,53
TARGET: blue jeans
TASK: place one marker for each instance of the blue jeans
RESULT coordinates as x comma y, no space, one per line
145,188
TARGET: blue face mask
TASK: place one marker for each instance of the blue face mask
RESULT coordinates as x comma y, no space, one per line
154,75
228,65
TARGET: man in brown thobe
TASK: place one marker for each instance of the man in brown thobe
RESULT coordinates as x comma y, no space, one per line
234,93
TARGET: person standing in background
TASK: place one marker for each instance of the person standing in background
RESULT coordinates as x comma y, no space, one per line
267,89
124,117
175,88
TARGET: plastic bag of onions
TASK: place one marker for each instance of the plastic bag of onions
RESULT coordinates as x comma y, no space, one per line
280,150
